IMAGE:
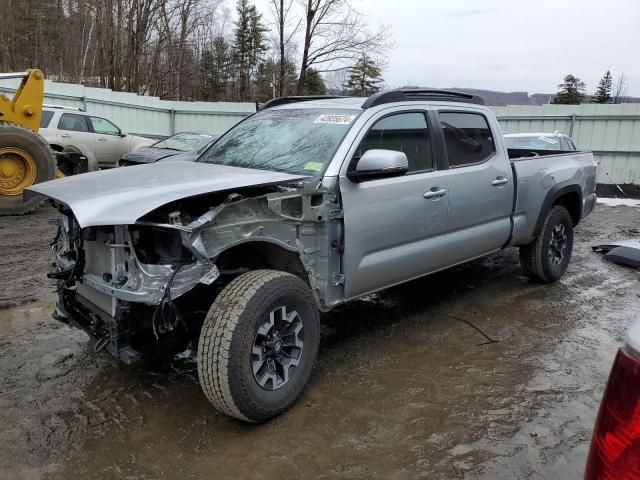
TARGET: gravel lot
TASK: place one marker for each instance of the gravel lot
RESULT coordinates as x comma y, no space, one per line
405,386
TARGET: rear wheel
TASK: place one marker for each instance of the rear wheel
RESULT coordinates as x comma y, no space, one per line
258,345
547,257
25,159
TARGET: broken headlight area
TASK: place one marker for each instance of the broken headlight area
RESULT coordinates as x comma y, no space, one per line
66,248
158,245
127,263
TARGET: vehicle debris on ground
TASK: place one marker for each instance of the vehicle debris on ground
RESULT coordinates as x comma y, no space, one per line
624,252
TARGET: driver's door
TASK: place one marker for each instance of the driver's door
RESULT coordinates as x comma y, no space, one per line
394,227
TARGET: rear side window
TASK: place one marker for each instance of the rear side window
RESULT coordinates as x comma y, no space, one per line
468,138
403,132
73,123
45,119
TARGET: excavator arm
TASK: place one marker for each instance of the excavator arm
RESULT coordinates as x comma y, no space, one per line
25,108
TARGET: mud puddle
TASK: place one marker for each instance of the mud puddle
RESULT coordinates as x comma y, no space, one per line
471,373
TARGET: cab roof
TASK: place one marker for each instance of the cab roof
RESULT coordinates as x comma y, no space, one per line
348,103
382,98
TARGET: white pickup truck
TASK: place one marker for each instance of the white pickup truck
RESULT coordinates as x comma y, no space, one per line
299,208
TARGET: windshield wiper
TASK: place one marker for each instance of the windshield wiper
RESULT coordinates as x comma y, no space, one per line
170,148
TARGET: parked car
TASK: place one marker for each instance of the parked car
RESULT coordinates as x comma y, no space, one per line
615,445
540,141
297,209
184,146
99,139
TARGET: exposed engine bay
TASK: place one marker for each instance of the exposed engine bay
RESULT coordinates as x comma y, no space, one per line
146,287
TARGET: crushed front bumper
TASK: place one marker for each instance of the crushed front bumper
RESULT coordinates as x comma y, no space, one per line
111,333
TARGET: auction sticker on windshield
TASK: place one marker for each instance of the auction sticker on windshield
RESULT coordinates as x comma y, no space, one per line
335,119
313,166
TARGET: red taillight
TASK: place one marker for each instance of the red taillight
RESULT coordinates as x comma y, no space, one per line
615,446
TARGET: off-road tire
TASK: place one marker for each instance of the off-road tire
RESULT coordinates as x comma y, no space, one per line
227,338
534,258
17,136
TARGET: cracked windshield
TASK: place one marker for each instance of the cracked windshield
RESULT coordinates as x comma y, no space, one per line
291,141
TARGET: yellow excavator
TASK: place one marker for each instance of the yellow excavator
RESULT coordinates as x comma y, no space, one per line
25,157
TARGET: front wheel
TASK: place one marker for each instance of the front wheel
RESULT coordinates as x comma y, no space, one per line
258,345
547,257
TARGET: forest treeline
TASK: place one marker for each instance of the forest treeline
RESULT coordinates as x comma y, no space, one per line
189,49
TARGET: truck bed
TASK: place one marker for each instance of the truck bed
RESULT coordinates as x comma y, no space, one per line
516,154
556,173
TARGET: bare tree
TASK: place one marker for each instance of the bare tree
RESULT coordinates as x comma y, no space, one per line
335,81
620,88
282,11
335,34
86,41
176,44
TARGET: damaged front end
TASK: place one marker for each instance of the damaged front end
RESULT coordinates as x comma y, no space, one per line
145,287
112,281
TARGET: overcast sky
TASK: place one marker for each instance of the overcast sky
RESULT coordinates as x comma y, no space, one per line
509,45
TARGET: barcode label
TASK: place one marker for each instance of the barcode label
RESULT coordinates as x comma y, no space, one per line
335,119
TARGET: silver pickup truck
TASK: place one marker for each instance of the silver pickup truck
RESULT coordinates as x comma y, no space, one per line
303,206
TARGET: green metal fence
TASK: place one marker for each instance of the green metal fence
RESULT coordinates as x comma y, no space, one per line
143,115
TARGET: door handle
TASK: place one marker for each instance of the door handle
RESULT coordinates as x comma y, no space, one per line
102,139
498,182
65,135
435,192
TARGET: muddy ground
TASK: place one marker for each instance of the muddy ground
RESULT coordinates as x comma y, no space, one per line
629,190
405,387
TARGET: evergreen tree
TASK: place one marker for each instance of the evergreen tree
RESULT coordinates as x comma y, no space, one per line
215,66
248,45
268,77
571,91
603,92
313,83
364,78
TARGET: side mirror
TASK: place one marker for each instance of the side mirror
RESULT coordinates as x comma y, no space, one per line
122,134
379,164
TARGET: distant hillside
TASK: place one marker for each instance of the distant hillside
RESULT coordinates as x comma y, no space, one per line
492,97
496,98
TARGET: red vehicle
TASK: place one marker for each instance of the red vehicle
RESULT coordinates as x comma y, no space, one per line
615,445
